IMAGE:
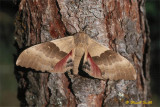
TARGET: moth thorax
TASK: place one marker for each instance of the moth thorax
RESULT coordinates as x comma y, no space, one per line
81,39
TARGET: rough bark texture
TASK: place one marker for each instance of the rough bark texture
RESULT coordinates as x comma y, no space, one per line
118,24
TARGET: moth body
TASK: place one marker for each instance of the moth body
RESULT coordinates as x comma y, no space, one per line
81,42
79,52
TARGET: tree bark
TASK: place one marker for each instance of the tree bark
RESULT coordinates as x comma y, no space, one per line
118,24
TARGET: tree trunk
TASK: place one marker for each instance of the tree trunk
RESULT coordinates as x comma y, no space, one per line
118,24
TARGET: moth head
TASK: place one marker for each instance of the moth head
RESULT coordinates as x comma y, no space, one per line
81,39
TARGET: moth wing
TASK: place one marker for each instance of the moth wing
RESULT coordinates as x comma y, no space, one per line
95,49
48,55
90,67
112,65
65,44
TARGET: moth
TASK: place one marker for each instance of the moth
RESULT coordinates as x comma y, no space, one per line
65,54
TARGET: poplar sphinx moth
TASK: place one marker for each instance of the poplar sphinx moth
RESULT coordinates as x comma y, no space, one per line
61,55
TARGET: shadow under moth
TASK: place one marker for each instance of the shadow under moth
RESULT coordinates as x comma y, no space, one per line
61,55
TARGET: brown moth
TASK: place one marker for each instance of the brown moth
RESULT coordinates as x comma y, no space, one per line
61,55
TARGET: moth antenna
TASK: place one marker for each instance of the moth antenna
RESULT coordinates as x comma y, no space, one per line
82,30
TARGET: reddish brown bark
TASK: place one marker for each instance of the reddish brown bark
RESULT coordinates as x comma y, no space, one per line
119,25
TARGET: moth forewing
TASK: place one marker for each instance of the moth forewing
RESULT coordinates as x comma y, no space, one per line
47,54
95,48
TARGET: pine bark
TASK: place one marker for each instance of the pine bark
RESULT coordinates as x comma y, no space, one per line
118,24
